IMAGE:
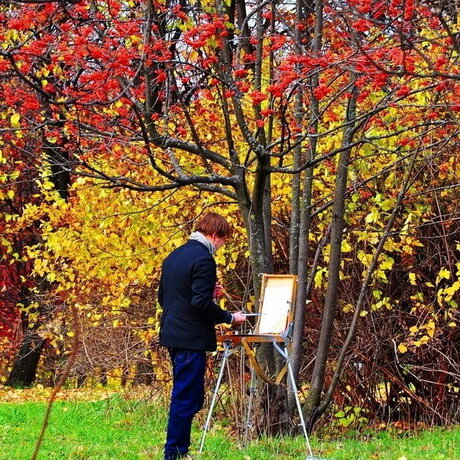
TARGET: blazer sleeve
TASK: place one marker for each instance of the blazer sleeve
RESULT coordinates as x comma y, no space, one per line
203,284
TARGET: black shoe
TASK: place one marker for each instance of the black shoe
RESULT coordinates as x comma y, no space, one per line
170,456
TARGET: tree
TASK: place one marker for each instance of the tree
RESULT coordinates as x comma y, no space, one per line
317,106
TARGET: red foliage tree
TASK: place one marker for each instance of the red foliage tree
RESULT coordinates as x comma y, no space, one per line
111,89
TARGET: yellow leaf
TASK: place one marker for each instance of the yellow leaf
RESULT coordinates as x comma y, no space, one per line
453,289
346,246
15,120
387,264
430,328
402,348
443,274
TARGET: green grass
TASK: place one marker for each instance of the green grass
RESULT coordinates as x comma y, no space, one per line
119,429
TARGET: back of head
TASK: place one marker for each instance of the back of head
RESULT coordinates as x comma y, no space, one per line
213,223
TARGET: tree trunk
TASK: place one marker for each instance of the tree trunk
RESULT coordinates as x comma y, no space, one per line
365,286
26,363
330,306
305,212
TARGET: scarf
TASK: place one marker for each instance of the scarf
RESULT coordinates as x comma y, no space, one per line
198,236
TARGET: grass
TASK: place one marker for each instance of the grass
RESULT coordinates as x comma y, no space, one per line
116,428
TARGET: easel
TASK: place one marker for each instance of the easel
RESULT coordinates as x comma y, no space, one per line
274,325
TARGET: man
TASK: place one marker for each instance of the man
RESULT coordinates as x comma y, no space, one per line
188,281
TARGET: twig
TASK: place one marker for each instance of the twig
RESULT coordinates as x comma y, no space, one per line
65,374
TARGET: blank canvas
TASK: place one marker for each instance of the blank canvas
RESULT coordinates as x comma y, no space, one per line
278,293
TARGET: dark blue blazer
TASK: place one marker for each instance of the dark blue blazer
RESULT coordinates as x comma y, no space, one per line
188,279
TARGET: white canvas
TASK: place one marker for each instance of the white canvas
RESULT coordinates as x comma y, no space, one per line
277,298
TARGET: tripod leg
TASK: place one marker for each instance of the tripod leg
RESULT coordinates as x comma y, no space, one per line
299,407
214,396
248,424
284,354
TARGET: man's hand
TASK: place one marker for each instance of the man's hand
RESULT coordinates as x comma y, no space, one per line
219,291
238,318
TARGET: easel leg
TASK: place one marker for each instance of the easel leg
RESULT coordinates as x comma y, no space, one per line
216,391
284,353
248,424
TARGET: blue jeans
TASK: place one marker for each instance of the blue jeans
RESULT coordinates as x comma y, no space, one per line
186,400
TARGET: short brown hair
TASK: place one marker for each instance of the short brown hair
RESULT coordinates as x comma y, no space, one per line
212,223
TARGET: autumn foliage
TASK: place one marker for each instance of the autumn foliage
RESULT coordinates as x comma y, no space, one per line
121,121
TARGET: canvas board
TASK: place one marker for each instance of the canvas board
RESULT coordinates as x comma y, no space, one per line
278,295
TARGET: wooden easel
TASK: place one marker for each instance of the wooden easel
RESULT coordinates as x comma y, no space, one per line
274,324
